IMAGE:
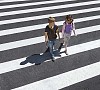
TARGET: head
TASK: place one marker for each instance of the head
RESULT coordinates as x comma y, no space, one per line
51,21
69,19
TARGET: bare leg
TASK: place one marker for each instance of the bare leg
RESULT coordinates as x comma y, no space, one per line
66,48
66,40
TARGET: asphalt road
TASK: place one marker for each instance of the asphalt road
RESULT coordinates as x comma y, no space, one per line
22,25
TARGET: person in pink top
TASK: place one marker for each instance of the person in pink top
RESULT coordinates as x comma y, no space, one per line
67,28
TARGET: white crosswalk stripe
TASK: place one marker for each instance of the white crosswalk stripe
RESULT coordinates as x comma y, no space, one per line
66,79
36,3
4,1
19,40
46,8
41,26
72,50
34,18
37,40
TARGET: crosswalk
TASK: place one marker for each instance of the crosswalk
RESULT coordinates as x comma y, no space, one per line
22,25
4,1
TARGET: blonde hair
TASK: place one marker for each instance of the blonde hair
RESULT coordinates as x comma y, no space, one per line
51,19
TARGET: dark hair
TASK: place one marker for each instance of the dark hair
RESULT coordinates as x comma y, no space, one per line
68,16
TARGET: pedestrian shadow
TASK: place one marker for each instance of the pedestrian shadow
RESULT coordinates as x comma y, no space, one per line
37,59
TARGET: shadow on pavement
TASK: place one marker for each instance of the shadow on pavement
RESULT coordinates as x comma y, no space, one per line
40,58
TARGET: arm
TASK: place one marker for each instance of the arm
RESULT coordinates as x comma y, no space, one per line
46,36
58,33
63,28
74,29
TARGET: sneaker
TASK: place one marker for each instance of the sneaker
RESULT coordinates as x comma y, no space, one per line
53,58
37,63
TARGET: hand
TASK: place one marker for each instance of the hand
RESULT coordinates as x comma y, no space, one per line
46,42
